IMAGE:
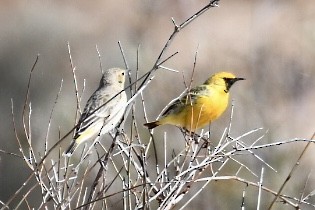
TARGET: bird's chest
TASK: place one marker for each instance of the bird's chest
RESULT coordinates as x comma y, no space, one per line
206,109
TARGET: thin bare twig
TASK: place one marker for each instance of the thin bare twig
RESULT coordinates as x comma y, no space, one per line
260,184
73,68
50,117
177,28
100,59
297,163
27,96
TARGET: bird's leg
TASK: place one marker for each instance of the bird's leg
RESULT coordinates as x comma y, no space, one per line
192,135
186,134
206,143
196,137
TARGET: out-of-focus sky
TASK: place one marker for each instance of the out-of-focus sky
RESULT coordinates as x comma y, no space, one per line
270,43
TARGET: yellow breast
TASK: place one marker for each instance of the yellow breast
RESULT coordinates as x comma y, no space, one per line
205,110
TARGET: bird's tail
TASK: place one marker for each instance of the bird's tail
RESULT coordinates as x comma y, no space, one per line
71,148
152,125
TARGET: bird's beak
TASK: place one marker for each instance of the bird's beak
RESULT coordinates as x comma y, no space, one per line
231,81
238,78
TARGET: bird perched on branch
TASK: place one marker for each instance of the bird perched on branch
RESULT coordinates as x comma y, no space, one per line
104,109
201,105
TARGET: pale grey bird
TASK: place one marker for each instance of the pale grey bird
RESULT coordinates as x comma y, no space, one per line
107,117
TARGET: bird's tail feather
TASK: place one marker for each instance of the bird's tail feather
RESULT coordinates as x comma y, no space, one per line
71,148
152,125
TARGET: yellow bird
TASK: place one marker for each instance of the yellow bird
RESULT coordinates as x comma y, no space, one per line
201,105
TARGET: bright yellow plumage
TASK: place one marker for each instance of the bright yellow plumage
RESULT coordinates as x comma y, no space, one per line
202,104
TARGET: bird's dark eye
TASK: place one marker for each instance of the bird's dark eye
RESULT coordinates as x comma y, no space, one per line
123,73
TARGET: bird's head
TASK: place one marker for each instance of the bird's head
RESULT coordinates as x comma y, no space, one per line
223,79
113,76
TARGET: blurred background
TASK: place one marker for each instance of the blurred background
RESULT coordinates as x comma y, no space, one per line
270,43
